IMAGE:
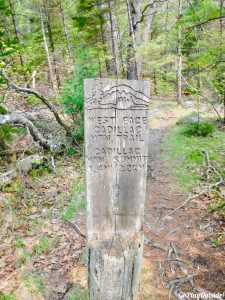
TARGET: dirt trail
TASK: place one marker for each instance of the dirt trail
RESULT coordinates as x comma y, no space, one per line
181,229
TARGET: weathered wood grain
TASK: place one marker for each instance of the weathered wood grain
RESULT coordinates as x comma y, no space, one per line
116,136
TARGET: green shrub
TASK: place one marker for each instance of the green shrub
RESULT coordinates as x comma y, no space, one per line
218,207
199,129
72,94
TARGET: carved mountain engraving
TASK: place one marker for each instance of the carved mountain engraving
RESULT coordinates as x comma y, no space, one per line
120,97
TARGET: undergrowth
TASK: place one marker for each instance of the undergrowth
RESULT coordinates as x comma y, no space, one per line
184,157
198,129
76,201
77,293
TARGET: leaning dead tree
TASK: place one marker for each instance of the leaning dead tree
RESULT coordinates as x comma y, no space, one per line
39,96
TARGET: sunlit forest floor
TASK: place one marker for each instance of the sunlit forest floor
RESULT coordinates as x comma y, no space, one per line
43,254
184,249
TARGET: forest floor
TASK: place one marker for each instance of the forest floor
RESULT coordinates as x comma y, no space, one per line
42,257
179,255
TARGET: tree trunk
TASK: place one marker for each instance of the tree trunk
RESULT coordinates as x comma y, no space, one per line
150,11
122,60
52,45
179,55
110,45
114,38
16,29
70,52
7,32
133,66
47,52
148,21
28,20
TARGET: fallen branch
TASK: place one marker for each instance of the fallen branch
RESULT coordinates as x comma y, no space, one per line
208,163
33,131
214,185
38,95
210,168
76,228
207,21
186,201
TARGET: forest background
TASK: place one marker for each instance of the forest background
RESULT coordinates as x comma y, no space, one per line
47,48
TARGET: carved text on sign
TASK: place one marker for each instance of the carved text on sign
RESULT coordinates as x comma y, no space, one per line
117,124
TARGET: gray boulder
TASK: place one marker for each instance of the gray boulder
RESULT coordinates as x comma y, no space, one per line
191,119
28,163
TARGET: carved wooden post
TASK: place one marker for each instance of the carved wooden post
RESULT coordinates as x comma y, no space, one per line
116,133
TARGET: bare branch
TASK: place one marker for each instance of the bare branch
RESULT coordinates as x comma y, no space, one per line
143,13
38,95
207,21
76,228
34,132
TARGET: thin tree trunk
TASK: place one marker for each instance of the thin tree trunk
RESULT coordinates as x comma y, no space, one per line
114,38
7,32
99,58
52,45
47,53
16,29
133,11
70,52
107,62
155,82
122,60
107,39
150,11
28,20
179,55
148,21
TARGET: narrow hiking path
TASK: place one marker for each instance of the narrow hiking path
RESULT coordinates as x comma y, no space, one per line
177,246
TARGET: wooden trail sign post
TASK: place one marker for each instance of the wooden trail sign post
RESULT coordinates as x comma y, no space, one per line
116,135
